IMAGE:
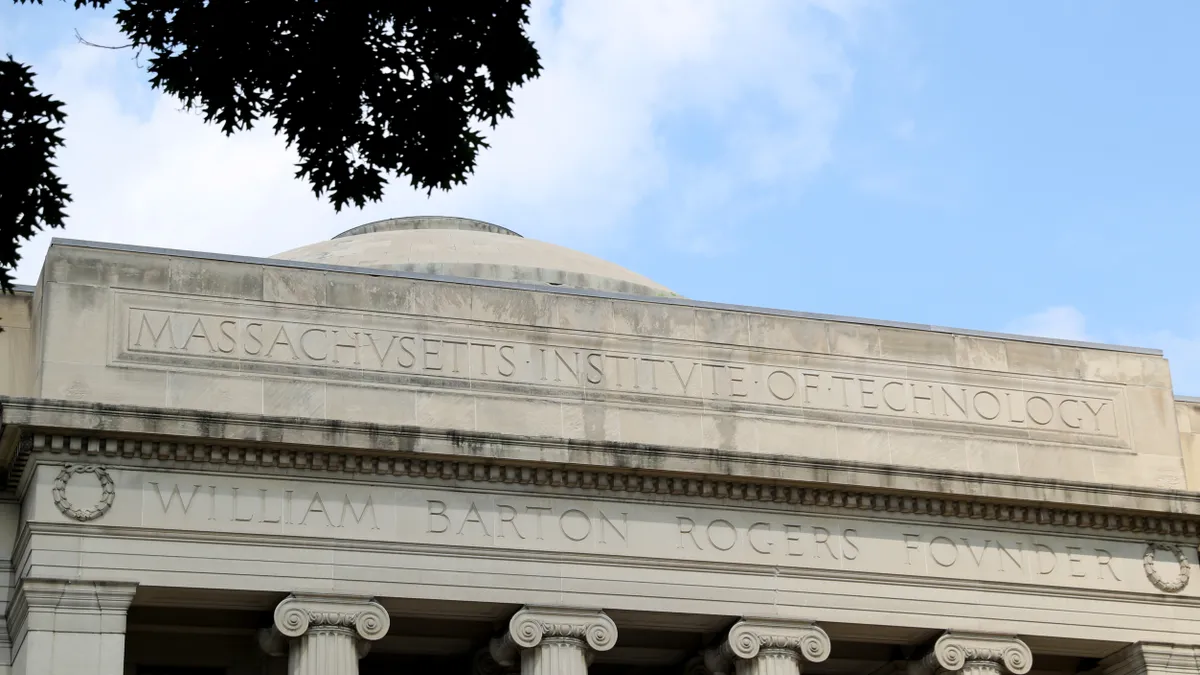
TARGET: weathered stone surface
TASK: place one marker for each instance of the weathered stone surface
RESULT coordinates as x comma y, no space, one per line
223,433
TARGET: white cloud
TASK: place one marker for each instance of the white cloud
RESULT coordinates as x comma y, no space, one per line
1063,323
661,114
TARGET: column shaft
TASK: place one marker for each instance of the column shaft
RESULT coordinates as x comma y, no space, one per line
555,656
324,651
771,662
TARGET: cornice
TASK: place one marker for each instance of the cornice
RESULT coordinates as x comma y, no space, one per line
213,441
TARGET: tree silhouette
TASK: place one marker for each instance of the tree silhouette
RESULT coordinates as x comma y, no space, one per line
361,89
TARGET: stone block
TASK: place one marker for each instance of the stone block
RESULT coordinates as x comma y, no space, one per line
917,346
591,421
294,286
797,439
1031,358
79,382
199,276
1153,428
101,267
519,417
980,353
226,392
928,451
581,313
992,456
863,444
654,320
294,398
730,433
377,405
1152,471
445,411
851,339
721,327
661,428
1125,368
502,305
1056,462
74,323
793,334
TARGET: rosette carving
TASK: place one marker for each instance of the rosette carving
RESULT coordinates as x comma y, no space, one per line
299,614
801,640
532,626
976,653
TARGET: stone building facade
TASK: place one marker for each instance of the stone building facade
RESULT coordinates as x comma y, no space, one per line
431,445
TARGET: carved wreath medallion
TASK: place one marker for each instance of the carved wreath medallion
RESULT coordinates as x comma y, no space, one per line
107,492
1175,585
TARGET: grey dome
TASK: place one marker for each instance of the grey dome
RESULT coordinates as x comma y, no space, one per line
473,249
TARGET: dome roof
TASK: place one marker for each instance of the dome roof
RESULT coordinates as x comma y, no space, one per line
461,247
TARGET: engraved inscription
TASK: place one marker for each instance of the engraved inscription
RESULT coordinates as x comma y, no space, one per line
648,532
419,352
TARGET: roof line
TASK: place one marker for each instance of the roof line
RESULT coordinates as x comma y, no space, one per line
561,290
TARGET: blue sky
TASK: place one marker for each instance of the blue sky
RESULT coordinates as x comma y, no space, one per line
993,165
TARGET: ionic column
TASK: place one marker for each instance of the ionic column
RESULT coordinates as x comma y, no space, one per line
554,640
975,654
327,635
768,647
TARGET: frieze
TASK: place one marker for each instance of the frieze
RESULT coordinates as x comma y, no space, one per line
426,352
506,522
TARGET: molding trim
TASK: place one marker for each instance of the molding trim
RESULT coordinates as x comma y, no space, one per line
158,453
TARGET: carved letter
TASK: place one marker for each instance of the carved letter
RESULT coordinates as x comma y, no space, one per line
687,526
732,534
766,527
911,542
781,384
473,516
582,534
166,503
508,514
1039,549
313,508
943,561
821,536
438,511
850,543
623,535
368,507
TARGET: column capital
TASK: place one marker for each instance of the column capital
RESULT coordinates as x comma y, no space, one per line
749,637
531,625
979,652
300,613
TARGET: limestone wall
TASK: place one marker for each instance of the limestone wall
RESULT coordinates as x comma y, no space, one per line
293,339
16,343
